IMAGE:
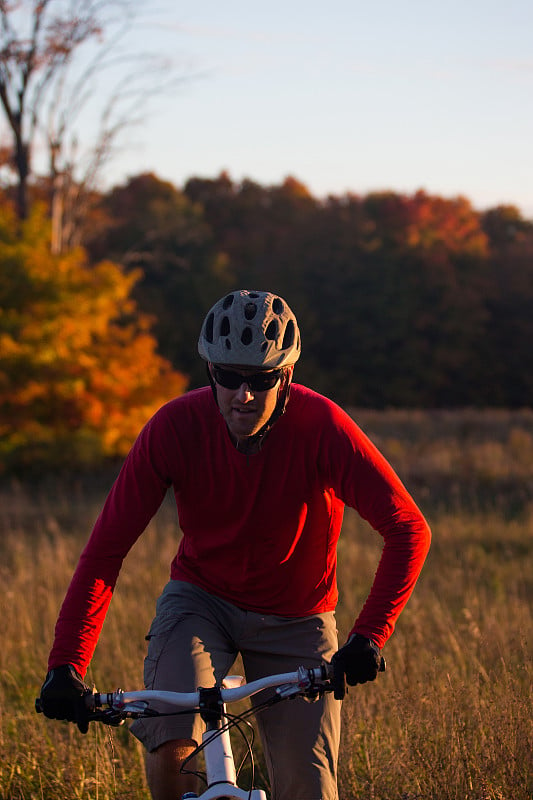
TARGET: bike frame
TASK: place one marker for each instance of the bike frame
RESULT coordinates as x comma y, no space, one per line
220,768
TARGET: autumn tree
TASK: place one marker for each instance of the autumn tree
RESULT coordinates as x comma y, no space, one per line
79,371
257,227
54,58
510,365
402,300
427,256
390,289
147,224
37,45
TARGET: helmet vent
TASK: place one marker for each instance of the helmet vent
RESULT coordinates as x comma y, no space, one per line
277,305
228,344
208,332
272,330
250,310
224,327
247,336
227,302
288,336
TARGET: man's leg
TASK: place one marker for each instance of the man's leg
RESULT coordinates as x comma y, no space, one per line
300,739
301,745
190,646
163,770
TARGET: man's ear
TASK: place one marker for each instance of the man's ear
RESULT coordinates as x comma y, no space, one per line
285,384
289,374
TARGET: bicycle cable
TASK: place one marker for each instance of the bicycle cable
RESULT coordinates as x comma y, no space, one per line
232,721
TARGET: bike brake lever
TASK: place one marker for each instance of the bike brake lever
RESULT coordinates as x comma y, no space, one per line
288,690
108,717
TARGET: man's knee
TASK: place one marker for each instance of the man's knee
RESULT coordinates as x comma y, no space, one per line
163,769
173,753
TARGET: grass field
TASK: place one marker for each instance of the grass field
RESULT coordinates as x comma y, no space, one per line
451,719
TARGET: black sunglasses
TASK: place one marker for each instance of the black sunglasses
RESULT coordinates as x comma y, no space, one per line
257,382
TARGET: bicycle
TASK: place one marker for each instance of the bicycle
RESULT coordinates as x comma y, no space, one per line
221,774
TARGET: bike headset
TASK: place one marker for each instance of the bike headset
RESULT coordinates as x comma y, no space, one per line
252,329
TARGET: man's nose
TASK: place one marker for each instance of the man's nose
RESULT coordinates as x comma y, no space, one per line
244,393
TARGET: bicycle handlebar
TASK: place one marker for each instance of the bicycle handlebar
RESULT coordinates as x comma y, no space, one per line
302,681
114,707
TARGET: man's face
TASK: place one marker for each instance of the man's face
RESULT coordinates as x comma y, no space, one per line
245,408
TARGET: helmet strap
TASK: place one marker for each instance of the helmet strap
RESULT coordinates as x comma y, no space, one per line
212,382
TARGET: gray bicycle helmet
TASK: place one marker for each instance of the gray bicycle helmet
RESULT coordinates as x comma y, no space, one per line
253,329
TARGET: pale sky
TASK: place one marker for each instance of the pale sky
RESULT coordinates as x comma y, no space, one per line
346,96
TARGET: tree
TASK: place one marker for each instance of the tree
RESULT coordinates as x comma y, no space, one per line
406,293
403,300
150,225
30,61
510,365
262,231
79,372
51,56
506,227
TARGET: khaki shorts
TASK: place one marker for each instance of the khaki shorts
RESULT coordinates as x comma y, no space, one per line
194,641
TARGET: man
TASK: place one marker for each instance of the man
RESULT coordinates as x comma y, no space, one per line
261,471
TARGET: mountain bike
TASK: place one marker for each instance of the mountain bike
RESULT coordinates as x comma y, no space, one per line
221,773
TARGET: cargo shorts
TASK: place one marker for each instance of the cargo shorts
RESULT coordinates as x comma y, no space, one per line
194,640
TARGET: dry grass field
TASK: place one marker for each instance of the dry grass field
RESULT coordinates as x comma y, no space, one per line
451,719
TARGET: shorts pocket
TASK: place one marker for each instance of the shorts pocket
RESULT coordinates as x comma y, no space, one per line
157,638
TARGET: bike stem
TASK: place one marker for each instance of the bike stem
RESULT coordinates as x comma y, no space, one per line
219,761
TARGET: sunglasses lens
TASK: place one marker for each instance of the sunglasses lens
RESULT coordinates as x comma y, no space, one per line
258,381
227,378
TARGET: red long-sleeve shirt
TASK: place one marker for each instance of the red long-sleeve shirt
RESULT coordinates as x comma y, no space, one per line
259,530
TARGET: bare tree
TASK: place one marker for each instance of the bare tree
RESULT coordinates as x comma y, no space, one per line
30,60
52,56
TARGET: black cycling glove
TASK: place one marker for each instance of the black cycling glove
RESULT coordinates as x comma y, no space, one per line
63,696
358,661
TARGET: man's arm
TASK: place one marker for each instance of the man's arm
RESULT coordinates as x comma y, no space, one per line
132,502
367,482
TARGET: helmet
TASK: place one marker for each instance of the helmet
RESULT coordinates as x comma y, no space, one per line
253,329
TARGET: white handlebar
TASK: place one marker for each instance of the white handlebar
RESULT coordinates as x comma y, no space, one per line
285,683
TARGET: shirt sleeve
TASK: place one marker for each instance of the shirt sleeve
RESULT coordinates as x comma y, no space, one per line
133,500
367,482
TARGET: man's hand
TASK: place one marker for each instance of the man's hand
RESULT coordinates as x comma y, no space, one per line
63,696
358,661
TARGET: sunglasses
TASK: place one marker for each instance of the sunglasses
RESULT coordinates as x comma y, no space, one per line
257,382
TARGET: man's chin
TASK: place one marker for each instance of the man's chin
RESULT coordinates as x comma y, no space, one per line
242,433
243,428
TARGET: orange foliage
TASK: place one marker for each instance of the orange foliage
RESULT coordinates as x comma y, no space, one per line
77,360
427,223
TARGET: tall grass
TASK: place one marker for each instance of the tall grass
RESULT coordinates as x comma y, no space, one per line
450,718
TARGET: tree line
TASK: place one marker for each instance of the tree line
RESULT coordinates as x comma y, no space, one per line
403,300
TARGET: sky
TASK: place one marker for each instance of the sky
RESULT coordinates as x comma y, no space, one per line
346,96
